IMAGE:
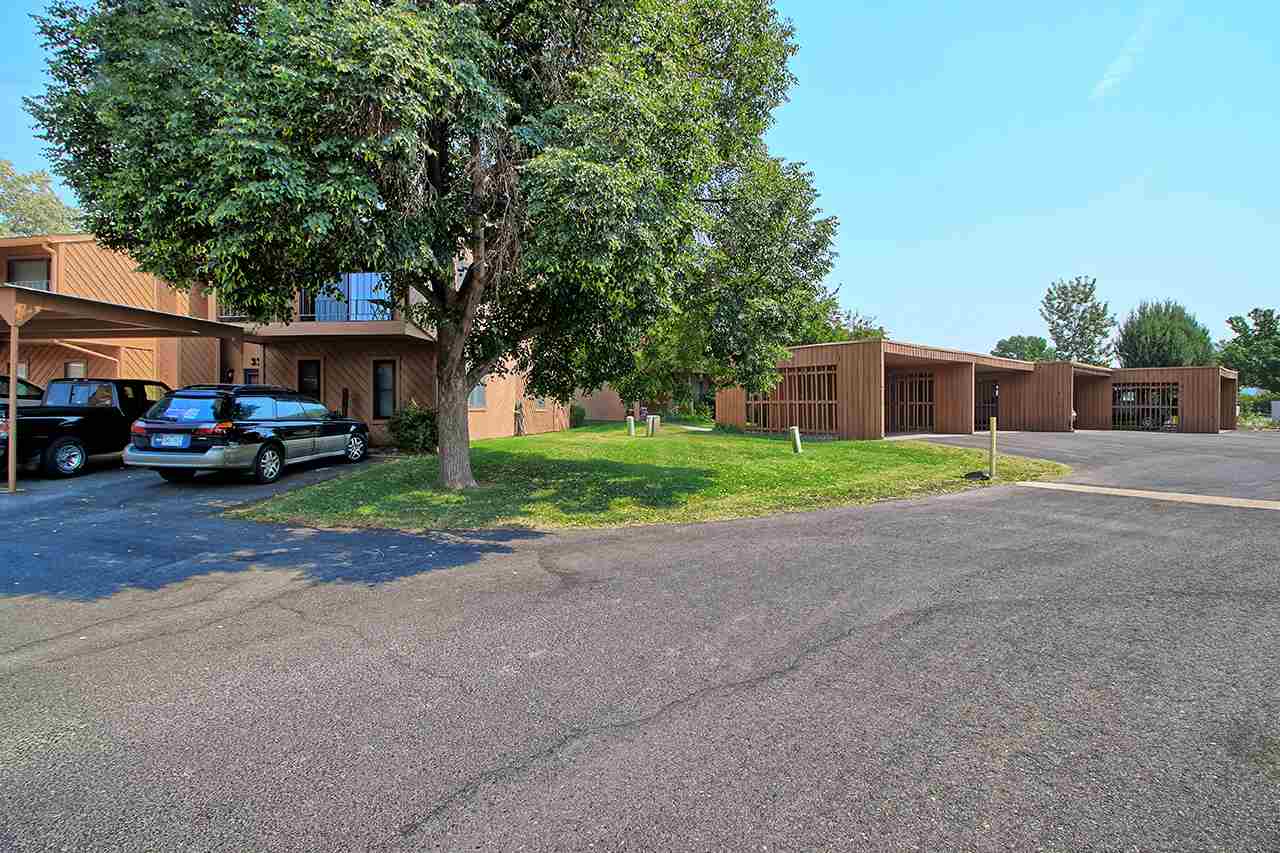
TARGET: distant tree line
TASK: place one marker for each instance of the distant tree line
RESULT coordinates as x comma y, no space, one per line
1154,334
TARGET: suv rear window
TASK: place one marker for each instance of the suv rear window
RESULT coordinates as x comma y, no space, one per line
187,409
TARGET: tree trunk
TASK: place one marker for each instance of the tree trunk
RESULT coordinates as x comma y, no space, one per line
455,434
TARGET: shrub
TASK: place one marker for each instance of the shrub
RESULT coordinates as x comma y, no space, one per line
577,415
1257,402
413,429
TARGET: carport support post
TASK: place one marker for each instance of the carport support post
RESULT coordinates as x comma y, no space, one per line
991,465
13,404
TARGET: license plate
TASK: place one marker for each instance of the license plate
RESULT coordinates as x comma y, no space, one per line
172,440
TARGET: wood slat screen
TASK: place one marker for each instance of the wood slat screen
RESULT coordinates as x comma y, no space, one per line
1149,406
909,402
986,404
805,397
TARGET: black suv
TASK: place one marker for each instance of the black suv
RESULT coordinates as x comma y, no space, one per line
257,428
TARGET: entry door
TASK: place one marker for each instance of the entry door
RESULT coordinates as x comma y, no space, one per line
986,404
909,402
309,378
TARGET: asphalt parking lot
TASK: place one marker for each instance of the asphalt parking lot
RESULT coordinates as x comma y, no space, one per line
1009,669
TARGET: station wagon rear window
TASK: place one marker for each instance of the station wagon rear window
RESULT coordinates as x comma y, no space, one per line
189,409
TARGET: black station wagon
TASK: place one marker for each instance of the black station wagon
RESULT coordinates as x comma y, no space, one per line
254,428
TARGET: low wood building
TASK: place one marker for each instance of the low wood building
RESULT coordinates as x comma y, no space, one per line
870,389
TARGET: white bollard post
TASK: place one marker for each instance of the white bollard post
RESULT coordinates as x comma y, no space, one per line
649,428
795,440
657,423
991,465
631,426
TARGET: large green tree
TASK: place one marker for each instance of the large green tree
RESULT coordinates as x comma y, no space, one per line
753,284
29,205
1163,334
569,150
1079,323
1026,348
1255,349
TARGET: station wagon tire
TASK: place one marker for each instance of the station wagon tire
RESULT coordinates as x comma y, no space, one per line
65,457
177,475
357,448
268,464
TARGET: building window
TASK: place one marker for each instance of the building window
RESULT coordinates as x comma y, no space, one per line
33,273
74,370
384,389
309,377
476,400
23,369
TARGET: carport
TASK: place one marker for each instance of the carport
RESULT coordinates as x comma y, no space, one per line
40,316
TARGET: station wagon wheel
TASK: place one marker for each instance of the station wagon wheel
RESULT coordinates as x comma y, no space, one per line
267,467
65,458
357,447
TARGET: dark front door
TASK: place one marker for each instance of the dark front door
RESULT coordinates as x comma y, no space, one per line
986,404
309,378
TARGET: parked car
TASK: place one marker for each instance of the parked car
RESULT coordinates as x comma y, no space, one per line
254,428
76,419
28,394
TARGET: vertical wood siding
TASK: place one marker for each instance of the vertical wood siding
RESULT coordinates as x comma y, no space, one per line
1039,401
1093,401
1199,393
859,382
1230,397
954,386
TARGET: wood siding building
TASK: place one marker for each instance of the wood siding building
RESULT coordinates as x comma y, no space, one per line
333,346
870,389
74,264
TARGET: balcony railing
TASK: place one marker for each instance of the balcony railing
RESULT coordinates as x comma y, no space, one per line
333,311
359,297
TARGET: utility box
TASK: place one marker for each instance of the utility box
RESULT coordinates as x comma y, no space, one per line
1275,410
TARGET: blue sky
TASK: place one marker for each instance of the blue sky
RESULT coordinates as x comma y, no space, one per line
975,152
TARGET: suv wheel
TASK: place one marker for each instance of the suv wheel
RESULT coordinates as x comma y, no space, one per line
65,458
357,447
268,464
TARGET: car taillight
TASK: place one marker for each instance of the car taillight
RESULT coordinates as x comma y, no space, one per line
138,429
223,428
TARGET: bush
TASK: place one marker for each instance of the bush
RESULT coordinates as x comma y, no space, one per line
413,429
577,415
1257,402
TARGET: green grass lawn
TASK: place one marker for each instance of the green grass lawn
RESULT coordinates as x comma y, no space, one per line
596,476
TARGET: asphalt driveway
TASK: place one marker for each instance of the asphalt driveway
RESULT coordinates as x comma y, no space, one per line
1008,669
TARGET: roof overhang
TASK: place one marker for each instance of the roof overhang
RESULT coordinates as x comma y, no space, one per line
45,316
897,353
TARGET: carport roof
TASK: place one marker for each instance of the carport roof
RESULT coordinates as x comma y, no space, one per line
46,316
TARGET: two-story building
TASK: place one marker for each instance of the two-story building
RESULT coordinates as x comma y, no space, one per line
350,351
75,265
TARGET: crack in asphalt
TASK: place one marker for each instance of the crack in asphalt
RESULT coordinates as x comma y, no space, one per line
909,620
